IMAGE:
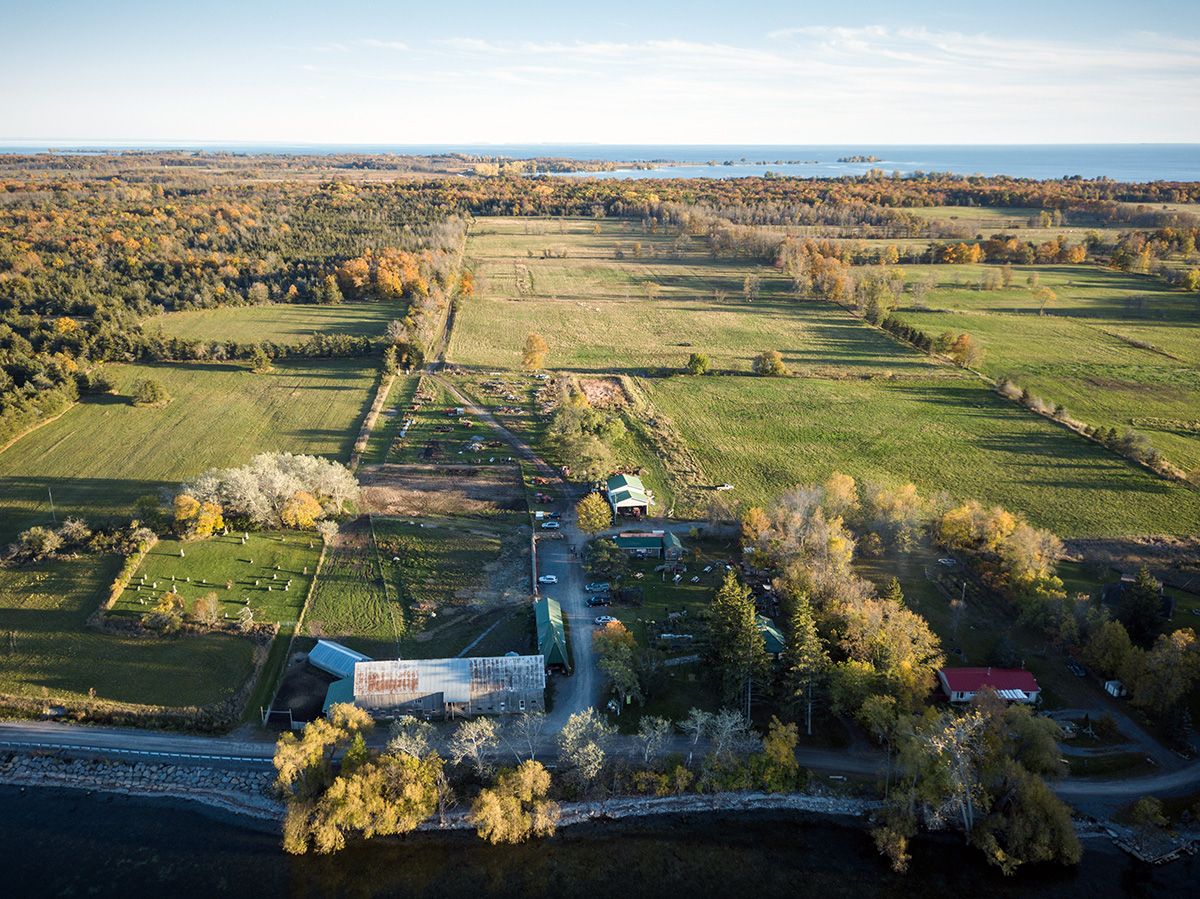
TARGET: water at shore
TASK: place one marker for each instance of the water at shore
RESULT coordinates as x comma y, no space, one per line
65,842
1123,162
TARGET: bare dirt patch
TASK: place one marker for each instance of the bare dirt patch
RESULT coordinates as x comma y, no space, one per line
604,393
435,490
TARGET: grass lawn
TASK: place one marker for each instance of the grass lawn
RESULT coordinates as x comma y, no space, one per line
765,435
105,453
350,599
48,650
254,574
277,322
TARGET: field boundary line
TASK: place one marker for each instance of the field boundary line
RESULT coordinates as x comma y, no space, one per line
387,594
39,424
312,589
364,433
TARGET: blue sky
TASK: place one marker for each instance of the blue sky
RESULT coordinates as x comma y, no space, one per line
611,72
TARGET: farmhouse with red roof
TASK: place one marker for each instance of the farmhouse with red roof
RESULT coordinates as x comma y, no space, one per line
1013,684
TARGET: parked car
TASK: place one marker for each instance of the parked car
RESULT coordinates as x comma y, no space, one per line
555,515
601,599
724,487
550,525
1075,668
949,563
605,619
548,579
598,587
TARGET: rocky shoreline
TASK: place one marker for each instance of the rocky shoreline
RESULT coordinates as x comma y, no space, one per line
248,793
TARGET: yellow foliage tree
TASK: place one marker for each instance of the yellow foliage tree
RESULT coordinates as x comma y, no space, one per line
187,507
534,355
301,511
208,520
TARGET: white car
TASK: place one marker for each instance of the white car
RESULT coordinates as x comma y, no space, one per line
605,619
550,525
949,563
548,579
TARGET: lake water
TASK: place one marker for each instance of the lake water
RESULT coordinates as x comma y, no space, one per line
1123,162
68,843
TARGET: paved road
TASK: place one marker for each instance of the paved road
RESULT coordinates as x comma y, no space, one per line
130,744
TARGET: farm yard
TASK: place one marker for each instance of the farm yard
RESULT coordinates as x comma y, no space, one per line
104,453
420,589
859,401
276,322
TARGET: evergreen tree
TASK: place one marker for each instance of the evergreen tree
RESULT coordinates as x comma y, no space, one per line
1141,608
735,644
805,660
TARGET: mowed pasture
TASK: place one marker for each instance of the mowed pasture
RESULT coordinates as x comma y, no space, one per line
270,574
765,435
276,322
49,650
600,313
104,453
1116,350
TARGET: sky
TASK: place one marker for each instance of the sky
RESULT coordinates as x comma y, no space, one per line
766,72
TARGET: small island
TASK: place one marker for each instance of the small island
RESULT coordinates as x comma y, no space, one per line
858,159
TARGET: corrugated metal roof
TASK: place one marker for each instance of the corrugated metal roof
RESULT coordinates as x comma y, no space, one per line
395,681
339,691
334,658
552,636
627,488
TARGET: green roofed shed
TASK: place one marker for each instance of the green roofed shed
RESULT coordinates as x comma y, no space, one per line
771,636
551,634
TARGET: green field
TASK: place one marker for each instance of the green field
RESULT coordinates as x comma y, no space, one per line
391,420
1116,350
270,574
765,435
276,322
48,649
421,588
595,314
105,453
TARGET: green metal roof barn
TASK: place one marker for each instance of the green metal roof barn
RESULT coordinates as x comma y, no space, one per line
551,634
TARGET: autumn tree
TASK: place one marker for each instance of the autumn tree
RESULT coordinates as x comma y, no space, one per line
582,746
533,357
697,364
301,511
472,741
617,651
516,806
593,514
769,363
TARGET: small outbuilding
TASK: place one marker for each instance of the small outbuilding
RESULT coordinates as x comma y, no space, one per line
1115,689
628,496
772,638
551,634
1011,684
658,544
